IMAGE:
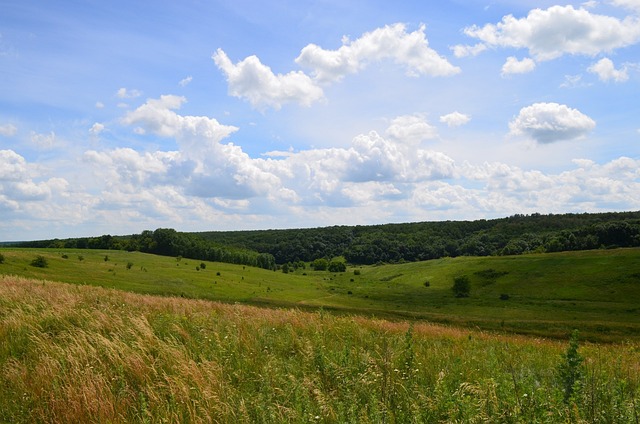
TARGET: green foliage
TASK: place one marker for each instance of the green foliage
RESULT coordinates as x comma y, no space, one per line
40,262
1,258
461,286
129,265
203,265
320,264
570,371
337,265
106,258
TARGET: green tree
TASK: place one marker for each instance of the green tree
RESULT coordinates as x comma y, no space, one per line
461,286
320,264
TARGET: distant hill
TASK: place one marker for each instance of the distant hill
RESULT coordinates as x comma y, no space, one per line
388,243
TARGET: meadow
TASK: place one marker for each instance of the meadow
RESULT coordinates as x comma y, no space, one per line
548,295
76,353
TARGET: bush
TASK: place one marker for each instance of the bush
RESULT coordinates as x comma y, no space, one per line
504,296
1,258
356,272
203,265
337,266
40,262
129,265
461,286
320,264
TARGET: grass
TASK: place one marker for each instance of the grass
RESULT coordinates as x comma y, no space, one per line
87,354
597,292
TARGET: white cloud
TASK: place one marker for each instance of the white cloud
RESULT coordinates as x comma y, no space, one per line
606,71
464,51
390,42
515,66
43,141
411,129
96,129
158,116
8,130
185,81
99,105
550,122
629,4
560,30
251,80
124,93
455,119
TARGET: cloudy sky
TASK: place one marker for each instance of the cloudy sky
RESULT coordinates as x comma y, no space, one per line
120,116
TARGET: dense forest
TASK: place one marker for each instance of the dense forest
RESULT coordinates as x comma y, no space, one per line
387,243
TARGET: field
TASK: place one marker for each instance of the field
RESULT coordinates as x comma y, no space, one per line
72,353
597,292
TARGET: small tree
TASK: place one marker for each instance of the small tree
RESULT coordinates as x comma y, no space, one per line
461,286
40,262
285,268
320,264
337,266
570,370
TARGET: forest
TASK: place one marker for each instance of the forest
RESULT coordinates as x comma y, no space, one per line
388,243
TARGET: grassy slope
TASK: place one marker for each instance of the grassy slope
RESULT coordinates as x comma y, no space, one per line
86,354
549,294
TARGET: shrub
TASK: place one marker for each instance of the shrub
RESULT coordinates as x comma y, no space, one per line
1,258
427,283
320,264
129,265
337,266
203,265
65,256
40,262
461,286
504,296
80,258
106,258
570,371
356,272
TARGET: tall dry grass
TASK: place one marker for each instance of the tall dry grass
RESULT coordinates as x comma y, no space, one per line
82,354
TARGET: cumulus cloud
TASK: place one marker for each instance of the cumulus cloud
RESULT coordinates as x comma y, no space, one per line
411,129
251,80
606,71
455,119
551,122
390,42
515,66
461,50
560,30
124,93
8,130
18,183
96,129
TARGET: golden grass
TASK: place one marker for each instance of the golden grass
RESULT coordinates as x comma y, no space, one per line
85,354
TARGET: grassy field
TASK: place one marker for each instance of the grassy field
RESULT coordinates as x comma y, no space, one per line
80,354
597,292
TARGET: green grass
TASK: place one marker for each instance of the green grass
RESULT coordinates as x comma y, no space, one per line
85,354
597,291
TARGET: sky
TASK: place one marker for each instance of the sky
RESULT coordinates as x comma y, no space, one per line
123,116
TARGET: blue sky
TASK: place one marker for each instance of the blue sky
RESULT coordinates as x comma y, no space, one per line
116,117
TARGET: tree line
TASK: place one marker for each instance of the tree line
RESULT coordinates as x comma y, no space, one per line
418,241
388,243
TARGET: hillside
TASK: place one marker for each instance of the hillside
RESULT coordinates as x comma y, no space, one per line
547,294
86,354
